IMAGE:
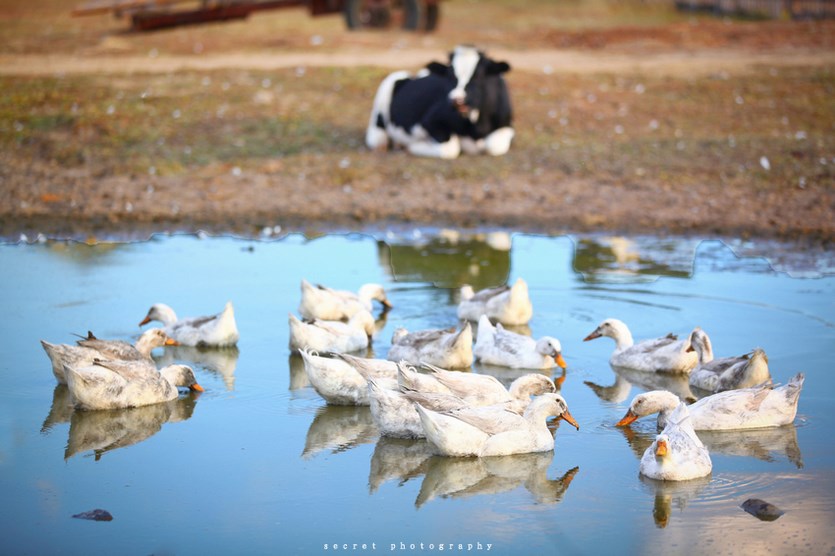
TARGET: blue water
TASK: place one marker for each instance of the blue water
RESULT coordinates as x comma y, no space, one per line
258,464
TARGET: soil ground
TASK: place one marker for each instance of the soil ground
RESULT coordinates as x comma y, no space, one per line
675,124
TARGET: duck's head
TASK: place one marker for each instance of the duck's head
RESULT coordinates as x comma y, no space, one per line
159,312
156,337
376,292
648,403
551,346
532,384
181,376
661,446
700,343
611,328
555,405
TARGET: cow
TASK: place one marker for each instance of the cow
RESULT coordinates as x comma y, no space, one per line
445,108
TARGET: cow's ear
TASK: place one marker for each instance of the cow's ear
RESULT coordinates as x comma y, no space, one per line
437,68
495,68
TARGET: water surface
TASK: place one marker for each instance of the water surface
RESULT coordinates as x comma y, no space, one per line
259,464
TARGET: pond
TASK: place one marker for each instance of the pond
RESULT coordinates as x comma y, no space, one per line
259,464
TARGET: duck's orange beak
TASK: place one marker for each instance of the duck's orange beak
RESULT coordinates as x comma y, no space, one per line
627,419
593,335
560,361
196,387
145,321
566,416
661,449
171,342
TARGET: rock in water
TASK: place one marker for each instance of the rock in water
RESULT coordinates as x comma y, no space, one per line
95,515
761,509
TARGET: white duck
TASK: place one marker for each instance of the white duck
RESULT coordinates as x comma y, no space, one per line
448,348
211,331
748,408
664,355
509,305
497,346
459,433
394,413
331,335
727,373
91,348
321,302
340,382
677,453
101,386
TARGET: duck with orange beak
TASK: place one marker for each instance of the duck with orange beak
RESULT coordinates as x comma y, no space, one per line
503,348
677,453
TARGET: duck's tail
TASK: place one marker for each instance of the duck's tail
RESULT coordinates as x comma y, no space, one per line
486,331
793,388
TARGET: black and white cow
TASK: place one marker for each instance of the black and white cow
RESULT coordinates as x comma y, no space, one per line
445,109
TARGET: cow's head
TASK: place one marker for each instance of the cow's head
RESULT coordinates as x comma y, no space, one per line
471,72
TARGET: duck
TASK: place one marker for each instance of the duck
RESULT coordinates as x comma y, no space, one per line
91,348
332,336
508,305
339,381
321,302
667,354
483,389
726,373
460,433
218,330
503,348
120,349
394,413
447,348
393,408
101,386
677,454
747,408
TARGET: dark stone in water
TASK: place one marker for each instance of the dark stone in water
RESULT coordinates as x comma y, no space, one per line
761,509
95,515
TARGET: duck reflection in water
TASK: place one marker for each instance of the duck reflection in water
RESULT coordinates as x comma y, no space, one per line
338,429
626,378
462,477
398,459
762,444
219,361
109,429
298,376
61,409
671,496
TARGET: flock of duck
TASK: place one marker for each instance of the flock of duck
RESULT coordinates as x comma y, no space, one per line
419,391
471,414
114,374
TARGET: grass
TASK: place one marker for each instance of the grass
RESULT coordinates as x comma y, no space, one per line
598,126
766,130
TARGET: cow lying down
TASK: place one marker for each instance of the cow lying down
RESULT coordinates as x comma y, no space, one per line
444,109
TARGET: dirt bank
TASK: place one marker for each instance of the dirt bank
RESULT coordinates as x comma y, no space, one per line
583,160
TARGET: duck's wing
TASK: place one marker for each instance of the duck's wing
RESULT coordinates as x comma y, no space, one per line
114,349
657,344
422,338
195,322
489,419
129,370
488,293
433,400
507,342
